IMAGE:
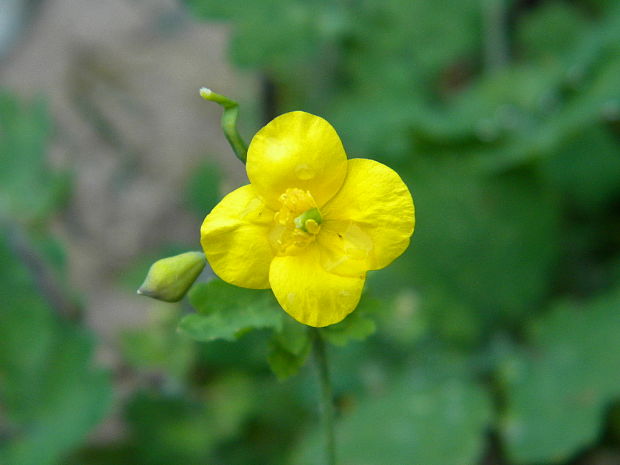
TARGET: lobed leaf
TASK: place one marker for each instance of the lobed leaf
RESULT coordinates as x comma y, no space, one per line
557,391
227,312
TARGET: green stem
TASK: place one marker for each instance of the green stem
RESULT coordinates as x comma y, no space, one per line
229,122
327,402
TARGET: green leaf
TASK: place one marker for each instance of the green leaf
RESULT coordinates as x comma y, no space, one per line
285,364
422,419
477,229
289,348
355,327
51,395
293,336
421,35
29,189
299,33
227,312
557,392
550,30
586,169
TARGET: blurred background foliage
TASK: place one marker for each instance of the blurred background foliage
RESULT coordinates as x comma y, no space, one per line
494,340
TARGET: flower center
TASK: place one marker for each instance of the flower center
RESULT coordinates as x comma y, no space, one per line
296,224
309,221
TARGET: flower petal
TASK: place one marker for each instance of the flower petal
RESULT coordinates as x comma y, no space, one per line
345,248
375,198
309,293
296,150
234,237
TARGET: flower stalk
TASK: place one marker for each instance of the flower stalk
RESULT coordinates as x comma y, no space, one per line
229,122
327,401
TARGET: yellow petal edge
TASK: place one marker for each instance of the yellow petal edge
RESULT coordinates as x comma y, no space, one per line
375,198
309,293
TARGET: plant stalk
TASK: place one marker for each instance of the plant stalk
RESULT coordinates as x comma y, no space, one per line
229,122
326,401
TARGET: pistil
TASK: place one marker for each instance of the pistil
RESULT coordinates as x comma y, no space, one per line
309,221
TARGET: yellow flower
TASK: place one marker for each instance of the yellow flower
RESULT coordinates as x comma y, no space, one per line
311,223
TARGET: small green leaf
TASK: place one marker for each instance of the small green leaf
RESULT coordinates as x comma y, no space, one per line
289,348
292,336
355,327
227,312
285,364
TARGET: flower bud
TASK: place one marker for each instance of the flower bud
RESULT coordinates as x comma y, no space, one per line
170,278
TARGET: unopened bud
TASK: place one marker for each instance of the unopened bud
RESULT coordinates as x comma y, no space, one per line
170,278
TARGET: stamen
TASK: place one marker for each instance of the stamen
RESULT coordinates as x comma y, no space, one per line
297,222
